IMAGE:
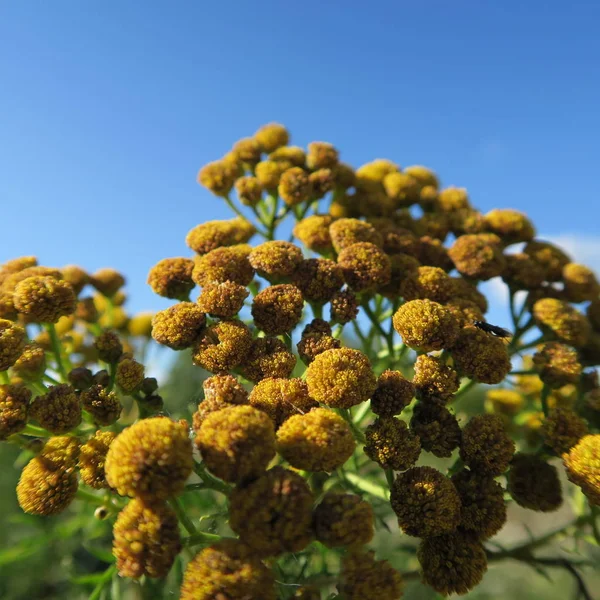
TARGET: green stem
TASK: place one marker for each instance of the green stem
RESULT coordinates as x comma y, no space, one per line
51,379
375,321
4,377
201,538
389,475
211,482
544,397
106,577
177,506
239,213
464,389
35,431
358,434
367,486
56,349
317,310
89,497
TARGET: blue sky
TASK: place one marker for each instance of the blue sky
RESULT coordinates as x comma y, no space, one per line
108,110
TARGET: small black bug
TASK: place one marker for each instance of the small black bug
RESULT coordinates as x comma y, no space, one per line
493,329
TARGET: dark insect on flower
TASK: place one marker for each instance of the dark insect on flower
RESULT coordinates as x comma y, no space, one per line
493,329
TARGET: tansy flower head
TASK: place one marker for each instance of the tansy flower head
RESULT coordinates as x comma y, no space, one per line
426,325
107,281
437,429
433,380
92,457
220,391
562,429
434,225
319,440
321,155
423,175
109,347
59,410
224,300
364,577
341,378
432,283
344,307
295,186
211,235
281,398
172,278
551,258
31,364
150,459
510,225
130,375
483,510
452,199
453,563
393,393
468,291
365,266
14,407
275,260
228,263
313,232
86,310
273,514
228,569
146,539
562,320
76,277
268,357
465,311
60,452
322,181
236,443
425,502
269,172
316,338
522,272
582,463
396,240
486,447
104,406
557,364
291,154
402,188
249,190
318,279
44,299
371,174
533,483
504,402
390,443
140,324
580,282
278,308
480,356
219,176
478,256
402,265
223,346
247,151
345,232
178,326
272,136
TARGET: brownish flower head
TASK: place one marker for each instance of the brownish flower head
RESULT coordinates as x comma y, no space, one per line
271,136
268,357
58,410
402,266
318,279
273,514
104,406
236,443
343,520
465,311
390,443
44,299
341,378
322,181
313,232
426,325
86,310
151,459
344,307
275,260
14,406
562,429
218,176
562,320
107,281
402,188
172,278
228,263
533,483
223,346
321,155
557,364
426,502
393,393
280,398
478,256
211,235
580,283
345,232
249,190
291,154
551,258
178,326
582,463
76,277
45,490
247,151
486,447
269,172
478,355
220,391
364,577
510,225
278,308
92,457
483,510
130,375
227,570
434,381
437,429
316,339
295,186
468,291
31,365
146,539
432,283
452,199
319,440
365,266
593,313
423,175
454,563
223,300
109,347
14,265
522,272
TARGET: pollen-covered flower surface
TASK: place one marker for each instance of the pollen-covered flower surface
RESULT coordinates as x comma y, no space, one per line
324,403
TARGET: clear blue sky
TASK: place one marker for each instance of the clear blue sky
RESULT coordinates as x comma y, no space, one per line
108,109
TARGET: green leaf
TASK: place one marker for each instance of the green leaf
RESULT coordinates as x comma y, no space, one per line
100,553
